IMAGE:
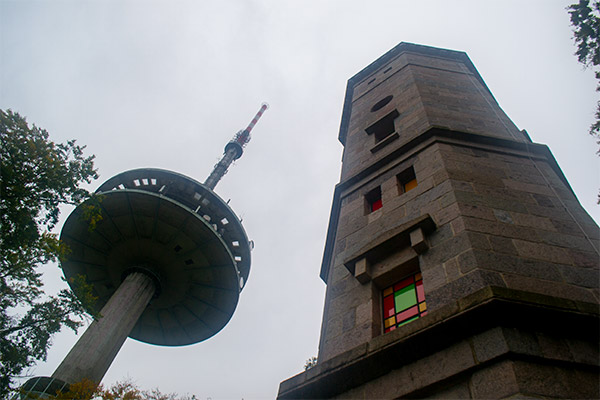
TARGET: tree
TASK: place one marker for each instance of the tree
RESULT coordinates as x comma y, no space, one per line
36,177
125,390
311,362
585,19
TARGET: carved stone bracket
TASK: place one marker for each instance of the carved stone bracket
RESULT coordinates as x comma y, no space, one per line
410,234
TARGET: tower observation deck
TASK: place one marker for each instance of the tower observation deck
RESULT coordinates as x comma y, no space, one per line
167,262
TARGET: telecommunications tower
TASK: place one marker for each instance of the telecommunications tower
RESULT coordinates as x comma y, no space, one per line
167,262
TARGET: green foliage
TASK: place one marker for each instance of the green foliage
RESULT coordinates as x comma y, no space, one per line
36,177
311,362
125,390
585,18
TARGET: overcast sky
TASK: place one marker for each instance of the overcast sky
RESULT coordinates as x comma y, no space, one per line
166,84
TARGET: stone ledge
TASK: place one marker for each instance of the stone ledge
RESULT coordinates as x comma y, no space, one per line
434,134
389,139
398,237
485,309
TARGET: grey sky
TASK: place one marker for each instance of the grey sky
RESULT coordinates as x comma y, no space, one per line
167,83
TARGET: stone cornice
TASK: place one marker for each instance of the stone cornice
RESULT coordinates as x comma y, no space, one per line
481,311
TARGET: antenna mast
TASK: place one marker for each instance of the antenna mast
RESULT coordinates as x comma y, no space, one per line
233,150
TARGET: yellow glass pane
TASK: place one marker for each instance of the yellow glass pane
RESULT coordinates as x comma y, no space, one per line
410,185
388,291
423,306
418,276
389,322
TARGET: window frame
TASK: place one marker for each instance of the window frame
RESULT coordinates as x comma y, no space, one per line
373,200
409,313
407,178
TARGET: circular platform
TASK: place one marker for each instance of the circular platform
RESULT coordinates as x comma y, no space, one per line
177,230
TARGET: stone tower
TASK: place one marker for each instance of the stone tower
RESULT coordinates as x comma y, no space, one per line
458,261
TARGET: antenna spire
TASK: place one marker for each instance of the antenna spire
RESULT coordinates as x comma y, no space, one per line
233,150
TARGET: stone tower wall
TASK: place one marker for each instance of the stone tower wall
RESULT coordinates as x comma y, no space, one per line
504,216
428,91
508,257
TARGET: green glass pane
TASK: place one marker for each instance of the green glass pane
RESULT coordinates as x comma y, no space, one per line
408,320
405,297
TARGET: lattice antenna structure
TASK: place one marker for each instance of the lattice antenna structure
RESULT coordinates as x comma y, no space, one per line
233,150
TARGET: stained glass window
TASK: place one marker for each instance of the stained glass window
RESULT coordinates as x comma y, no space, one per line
373,198
403,302
407,180
410,185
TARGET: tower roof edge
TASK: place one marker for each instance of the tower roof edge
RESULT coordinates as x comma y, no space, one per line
400,48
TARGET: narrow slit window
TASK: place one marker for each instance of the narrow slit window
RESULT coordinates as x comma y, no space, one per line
384,127
403,302
373,200
407,180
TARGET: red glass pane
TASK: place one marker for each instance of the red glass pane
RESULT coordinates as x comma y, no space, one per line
423,313
411,312
388,307
420,291
377,204
403,283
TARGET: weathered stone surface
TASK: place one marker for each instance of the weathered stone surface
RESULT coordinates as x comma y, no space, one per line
461,287
489,345
428,356
496,382
584,352
509,238
556,381
457,391
557,289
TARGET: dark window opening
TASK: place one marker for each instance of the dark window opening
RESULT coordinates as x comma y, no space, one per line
387,70
373,199
407,180
382,103
384,127
371,81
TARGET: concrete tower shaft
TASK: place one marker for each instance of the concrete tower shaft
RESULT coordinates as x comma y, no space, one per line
94,351
167,260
